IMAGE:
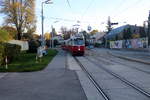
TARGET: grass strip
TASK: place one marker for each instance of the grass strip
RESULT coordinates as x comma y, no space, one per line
26,62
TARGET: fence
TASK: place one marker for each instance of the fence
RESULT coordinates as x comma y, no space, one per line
131,43
24,44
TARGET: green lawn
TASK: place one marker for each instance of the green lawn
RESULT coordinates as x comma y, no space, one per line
27,62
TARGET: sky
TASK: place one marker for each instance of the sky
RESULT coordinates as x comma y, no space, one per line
90,12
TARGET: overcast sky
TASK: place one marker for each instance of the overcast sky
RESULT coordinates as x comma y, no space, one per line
91,12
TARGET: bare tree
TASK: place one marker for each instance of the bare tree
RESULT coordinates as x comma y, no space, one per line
67,32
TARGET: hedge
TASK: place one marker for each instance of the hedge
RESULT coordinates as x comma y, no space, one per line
11,51
97,44
33,45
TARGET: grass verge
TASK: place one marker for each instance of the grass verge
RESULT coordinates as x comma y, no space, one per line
27,62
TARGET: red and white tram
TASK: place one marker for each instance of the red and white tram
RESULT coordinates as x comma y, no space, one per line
75,45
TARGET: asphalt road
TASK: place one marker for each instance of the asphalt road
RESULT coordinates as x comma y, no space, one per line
134,72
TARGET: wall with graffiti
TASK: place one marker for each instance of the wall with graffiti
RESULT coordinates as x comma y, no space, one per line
131,43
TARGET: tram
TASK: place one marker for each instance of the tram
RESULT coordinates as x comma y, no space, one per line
75,45
63,45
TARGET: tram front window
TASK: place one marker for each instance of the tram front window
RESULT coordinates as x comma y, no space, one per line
78,42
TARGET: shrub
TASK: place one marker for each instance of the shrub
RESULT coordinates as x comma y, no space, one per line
4,36
1,53
97,44
33,45
48,43
11,51
56,42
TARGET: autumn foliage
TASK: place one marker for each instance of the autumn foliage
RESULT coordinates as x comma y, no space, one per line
20,14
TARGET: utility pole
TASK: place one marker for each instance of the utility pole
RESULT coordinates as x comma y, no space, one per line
42,19
109,28
148,33
42,22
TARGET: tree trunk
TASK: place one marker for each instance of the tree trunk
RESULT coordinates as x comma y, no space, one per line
19,34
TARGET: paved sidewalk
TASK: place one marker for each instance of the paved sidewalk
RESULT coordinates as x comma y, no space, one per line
54,83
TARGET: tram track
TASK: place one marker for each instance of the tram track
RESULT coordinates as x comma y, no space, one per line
114,61
139,89
92,79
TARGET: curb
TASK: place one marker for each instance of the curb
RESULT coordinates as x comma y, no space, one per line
129,58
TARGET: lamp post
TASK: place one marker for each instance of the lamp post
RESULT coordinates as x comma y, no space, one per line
42,21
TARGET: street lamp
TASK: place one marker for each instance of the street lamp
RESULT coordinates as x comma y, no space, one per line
42,17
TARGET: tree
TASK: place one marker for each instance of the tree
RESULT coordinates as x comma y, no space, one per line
56,42
36,36
127,34
67,33
93,32
11,31
86,37
27,36
19,13
47,36
4,36
64,32
54,32
142,32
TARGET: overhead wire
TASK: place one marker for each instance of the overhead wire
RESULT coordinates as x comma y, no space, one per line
68,3
70,20
120,4
129,7
88,7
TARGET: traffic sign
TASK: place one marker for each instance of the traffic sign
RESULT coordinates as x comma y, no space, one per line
89,28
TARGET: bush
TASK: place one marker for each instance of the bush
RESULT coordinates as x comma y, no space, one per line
56,43
48,43
11,51
4,36
33,45
1,53
97,44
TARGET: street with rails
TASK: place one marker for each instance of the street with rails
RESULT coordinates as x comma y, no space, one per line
74,50
98,75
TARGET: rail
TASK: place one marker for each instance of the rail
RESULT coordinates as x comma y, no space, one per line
100,90
123,79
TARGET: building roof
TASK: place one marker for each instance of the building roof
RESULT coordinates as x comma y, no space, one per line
119,30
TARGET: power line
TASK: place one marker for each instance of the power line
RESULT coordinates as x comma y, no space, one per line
129,7
121,3
68,3
72,20
87,8
63,19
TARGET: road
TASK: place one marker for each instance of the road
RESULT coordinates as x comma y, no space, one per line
64,79
53,83
120,79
